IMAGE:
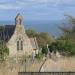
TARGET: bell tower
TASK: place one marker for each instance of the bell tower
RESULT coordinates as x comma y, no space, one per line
19,19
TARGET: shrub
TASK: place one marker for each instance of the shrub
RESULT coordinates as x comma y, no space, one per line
39,56
44,50
4,52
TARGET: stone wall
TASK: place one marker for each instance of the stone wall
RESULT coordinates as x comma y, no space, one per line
19,34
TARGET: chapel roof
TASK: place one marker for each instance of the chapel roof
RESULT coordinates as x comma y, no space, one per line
7,32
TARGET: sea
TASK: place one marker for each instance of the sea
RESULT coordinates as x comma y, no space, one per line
49,26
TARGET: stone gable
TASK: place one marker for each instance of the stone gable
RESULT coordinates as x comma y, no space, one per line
19,36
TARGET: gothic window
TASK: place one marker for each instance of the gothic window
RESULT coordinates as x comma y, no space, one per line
21,45
17,45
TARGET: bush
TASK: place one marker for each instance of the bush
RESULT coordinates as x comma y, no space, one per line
4,52
45,50
65,47
53,47
39,56
43,38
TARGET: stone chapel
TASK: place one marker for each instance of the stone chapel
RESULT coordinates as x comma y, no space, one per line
17,40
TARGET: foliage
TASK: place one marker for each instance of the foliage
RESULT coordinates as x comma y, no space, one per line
43,38
44,50
67,40
53,47
31,33
39,56
69,29
4,51
1,28
65,47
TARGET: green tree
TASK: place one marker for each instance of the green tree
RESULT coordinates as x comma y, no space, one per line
67,42
1,28
39,56
31,33
43,38
45,50
4,52
53,47
66,47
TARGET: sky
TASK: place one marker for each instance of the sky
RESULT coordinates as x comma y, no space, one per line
36,9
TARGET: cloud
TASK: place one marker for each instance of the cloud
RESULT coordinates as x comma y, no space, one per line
21,4
8,6
37,8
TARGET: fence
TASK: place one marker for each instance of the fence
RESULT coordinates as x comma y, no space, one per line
46,73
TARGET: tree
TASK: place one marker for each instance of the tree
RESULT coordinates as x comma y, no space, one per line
67,40
45,50
69,31
43,38
4,51
1,28
53,47
31,33
66,47
39,56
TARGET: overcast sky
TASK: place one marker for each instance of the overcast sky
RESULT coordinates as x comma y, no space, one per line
36,9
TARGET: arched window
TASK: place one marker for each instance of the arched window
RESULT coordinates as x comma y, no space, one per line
18,45
21,45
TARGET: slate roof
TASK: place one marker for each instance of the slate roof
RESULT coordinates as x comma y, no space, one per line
7,32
